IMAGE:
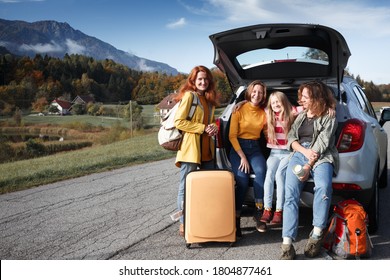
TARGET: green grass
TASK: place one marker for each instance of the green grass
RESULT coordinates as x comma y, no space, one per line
60,120
25,174
141,148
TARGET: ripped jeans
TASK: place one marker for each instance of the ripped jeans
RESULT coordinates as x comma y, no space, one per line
322,177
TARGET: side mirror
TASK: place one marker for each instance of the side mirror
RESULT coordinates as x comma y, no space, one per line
385,116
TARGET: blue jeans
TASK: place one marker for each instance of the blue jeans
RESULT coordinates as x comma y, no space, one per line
322,176
276,171
254,155
185,168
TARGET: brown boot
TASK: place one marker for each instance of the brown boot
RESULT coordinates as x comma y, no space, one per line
181,230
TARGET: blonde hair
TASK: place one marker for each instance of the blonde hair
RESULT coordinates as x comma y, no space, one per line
287,116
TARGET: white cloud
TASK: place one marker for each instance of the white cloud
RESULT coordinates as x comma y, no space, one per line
341,15
364,24
245,10
143,67
74,48
42,48
177,24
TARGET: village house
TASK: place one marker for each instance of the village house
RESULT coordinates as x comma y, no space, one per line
166,104
83,100
63,106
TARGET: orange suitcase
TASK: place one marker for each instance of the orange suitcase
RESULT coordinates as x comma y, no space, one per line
209,207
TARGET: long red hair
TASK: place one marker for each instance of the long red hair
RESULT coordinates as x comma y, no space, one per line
189,85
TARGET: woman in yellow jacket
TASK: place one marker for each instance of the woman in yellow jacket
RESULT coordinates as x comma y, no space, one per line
197,149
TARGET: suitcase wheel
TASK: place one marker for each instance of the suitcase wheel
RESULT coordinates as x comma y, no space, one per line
188,245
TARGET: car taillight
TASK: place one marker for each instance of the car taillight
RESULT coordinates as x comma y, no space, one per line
346,187
352,136
219,140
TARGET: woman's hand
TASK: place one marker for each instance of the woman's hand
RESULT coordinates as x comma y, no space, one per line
311,155
211,130
332,112
239,105
307,169
244,165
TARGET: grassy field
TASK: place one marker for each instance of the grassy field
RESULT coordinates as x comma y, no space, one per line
33,172
142,147
106,121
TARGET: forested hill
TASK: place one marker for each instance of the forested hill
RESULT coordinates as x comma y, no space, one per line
57,39
23,80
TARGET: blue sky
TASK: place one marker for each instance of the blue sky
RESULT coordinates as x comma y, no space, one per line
176,31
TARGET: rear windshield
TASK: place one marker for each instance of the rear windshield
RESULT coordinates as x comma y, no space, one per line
260,57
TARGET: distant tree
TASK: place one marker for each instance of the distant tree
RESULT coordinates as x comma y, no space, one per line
18,117
40,104
52,109
92,109
136,114
78,109
316,54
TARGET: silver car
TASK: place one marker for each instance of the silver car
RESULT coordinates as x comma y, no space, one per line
284,56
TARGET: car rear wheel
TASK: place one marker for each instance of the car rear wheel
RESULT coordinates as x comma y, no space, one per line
373,209
383,179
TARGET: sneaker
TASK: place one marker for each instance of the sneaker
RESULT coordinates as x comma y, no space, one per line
313,245
288,252
278,218
267,216
261,226
181,230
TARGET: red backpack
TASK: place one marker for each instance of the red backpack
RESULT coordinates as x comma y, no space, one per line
347,234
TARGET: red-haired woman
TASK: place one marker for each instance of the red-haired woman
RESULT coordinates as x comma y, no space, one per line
197,148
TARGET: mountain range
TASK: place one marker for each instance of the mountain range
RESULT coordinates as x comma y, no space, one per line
56,39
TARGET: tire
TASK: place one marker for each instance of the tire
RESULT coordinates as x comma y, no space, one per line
383,179
373,209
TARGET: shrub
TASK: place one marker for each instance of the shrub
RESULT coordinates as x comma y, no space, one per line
6,151
34,148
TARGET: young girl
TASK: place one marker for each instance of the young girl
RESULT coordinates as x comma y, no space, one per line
197,149
280,116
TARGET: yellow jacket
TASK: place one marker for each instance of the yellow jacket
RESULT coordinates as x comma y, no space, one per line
190,150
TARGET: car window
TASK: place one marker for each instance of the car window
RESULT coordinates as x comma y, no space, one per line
363,101
267,56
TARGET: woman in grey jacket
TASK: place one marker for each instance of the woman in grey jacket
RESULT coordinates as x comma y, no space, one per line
312,140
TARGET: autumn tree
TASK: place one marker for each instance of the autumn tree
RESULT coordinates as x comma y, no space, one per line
40,104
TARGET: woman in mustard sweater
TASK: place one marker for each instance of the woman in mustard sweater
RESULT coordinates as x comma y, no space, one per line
246,126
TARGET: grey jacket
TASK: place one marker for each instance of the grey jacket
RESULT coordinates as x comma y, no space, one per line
323,138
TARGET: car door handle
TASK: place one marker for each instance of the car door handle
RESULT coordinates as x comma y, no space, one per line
373,125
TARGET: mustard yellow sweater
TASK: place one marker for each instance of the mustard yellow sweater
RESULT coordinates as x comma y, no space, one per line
247,123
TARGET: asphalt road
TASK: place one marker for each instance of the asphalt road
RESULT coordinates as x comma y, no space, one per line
125,214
